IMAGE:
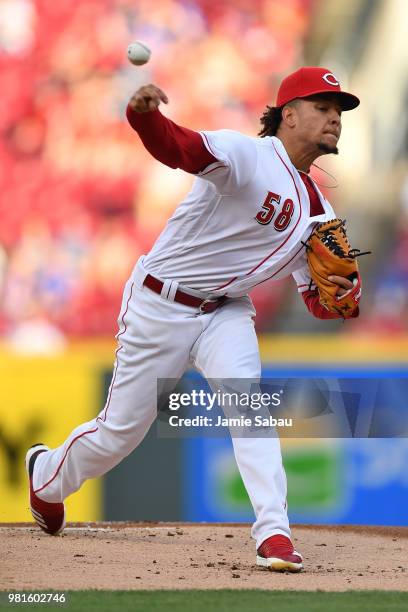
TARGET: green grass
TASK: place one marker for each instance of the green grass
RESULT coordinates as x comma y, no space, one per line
227,601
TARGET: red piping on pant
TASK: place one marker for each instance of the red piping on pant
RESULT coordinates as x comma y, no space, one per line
117,351
106,405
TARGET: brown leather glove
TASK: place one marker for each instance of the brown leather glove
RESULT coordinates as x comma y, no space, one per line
329,253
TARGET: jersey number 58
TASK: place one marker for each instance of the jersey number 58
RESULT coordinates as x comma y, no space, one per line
265,216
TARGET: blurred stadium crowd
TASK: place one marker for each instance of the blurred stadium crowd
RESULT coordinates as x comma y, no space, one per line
80,200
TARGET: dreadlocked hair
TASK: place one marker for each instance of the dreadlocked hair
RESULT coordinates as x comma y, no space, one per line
271,120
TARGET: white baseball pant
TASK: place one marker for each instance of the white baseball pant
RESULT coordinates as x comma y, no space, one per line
160,338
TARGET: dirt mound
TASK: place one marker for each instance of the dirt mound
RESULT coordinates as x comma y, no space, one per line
191,556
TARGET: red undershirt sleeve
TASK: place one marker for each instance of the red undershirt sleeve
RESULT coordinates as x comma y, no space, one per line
311,299
169,143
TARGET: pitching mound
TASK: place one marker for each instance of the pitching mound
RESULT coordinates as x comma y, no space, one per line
185,556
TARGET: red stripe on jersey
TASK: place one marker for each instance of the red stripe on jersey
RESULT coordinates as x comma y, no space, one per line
279,246
212,169
208,144
281,268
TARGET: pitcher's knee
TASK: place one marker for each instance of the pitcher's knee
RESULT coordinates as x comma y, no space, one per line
122,439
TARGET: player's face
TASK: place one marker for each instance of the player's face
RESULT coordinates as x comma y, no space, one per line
319,123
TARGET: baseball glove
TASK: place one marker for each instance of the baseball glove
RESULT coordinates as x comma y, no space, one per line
329,253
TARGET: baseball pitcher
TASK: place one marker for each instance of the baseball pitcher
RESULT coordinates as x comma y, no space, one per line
253,214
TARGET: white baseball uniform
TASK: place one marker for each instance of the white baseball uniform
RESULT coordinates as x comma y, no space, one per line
242,223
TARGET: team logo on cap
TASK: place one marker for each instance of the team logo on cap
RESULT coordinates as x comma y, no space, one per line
330,79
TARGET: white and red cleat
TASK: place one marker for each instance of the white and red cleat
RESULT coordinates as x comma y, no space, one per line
277,554
49,516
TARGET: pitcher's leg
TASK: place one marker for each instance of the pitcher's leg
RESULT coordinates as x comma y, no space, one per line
149,348
228,349
260,464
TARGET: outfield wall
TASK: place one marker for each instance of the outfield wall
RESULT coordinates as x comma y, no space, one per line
329,481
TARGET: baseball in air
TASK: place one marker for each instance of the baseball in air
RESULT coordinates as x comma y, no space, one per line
138,53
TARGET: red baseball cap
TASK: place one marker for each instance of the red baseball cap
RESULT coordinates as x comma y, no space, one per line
311,80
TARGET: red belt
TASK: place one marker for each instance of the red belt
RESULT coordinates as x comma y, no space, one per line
204,306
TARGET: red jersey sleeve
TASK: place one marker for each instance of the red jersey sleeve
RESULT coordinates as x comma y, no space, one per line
311,299
169,143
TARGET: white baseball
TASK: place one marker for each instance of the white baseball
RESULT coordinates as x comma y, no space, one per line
138,53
